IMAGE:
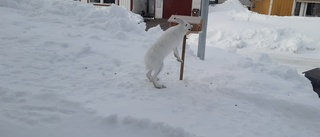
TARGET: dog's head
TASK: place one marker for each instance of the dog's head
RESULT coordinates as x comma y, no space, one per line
184,24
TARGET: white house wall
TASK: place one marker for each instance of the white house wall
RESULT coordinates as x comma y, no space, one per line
159,9
125,3
196,4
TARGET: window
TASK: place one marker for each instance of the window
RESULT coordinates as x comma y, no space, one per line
94,1
102,1
307,9
109,1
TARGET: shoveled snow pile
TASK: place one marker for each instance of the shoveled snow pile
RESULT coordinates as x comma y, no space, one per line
70,69
233,26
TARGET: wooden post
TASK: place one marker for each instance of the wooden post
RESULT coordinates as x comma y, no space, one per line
182,56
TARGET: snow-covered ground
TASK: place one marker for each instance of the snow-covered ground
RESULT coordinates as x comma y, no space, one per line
292,41
70,69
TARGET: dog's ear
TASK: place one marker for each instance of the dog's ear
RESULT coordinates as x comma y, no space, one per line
180,21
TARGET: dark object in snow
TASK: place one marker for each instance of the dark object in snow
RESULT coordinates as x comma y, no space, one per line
213,1
314,76
196,12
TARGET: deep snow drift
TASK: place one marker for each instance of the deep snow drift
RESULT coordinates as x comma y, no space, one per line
69,69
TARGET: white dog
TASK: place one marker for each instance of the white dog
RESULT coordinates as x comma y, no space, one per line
167,42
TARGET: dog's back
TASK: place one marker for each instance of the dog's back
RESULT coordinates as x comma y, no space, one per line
163,46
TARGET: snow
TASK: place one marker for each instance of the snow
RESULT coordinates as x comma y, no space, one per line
231,26
70,69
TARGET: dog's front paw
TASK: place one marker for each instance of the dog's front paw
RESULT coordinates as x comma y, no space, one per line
180,60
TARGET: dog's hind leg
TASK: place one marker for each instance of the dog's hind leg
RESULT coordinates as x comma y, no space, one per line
149,76
154,77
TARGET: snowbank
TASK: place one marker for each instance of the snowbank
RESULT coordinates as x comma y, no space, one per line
232,25
112,18
84,125
66,72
